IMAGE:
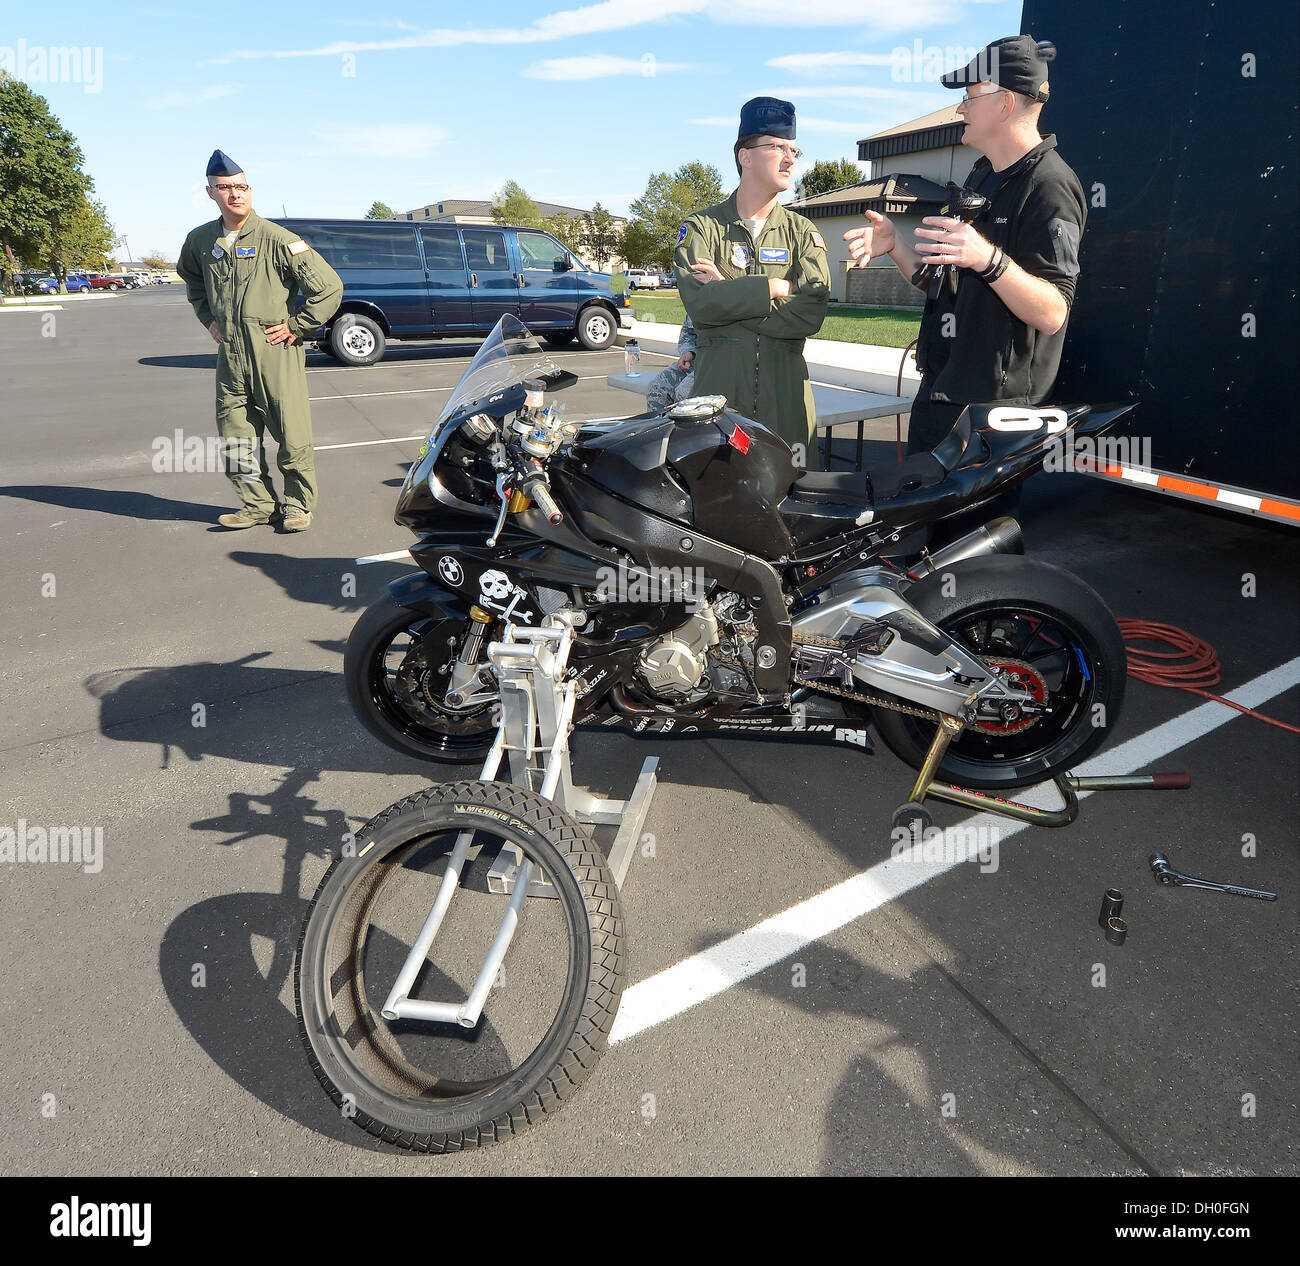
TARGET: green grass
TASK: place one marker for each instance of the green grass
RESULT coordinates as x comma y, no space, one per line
886,327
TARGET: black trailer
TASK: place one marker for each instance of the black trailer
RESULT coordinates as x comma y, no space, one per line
1179,117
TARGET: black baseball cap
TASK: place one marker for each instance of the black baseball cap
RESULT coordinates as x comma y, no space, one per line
1018,62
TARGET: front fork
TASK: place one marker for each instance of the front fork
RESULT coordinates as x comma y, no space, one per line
468,682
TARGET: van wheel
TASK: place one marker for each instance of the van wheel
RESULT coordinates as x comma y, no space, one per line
559,338
596,328
357,340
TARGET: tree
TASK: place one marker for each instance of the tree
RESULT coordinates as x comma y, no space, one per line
155,261
85,237
566,229
639,246
668,199
827,174
598,236
42,186
512,205
380,211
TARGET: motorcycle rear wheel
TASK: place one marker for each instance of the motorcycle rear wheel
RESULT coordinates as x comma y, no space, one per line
1051,629
435,1086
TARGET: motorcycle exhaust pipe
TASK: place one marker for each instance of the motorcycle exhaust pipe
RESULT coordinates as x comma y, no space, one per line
998,536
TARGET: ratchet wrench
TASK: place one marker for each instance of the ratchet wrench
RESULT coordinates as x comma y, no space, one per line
1165,874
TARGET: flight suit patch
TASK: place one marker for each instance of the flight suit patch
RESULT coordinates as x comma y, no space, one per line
245,252
818,240
773,255
681,235
297,248
740,256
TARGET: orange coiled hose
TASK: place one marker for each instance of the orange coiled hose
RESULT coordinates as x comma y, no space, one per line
1191,665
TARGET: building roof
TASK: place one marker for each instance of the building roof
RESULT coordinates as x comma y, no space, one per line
465,206
894,194
935,130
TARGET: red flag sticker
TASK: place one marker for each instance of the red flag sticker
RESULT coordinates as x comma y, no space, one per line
739,440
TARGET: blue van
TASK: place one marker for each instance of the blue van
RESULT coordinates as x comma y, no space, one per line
405,280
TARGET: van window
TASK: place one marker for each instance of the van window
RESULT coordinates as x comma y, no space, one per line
384,246
442,249
485,251
537,250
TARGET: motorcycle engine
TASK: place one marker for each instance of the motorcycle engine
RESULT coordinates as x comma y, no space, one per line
674,665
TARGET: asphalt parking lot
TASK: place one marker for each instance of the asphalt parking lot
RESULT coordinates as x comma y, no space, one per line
795,1006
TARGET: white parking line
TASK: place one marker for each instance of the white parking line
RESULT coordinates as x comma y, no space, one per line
413,362
401,439
385,558
419,391
702,976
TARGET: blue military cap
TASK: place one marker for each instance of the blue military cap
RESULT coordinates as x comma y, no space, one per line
767,116
221,164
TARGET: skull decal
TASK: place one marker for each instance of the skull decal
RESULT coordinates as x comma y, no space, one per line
495,585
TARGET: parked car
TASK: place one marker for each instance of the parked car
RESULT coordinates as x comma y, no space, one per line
642,279
106,281
667,280
76,283
417,281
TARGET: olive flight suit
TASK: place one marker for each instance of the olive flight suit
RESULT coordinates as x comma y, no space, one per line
261,386
751,345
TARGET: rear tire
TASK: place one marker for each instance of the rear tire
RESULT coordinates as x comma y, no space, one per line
357,340
597,327
435,1086
1051,629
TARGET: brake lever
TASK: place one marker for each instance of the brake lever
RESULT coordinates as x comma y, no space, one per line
502,476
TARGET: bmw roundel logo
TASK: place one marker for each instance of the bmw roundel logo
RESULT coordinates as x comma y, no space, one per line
450,570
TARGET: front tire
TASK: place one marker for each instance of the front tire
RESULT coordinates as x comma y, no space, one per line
393,669
597,328
1051,630
357,340
434,1086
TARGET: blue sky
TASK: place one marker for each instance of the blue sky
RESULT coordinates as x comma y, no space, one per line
330,106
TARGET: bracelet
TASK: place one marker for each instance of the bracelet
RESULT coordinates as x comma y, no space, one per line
997,266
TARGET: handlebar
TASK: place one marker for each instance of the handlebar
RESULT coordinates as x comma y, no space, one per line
541,495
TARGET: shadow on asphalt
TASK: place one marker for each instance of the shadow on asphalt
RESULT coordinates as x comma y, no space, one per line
338,583
206,360
127,505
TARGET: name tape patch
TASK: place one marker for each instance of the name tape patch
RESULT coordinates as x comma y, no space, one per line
773,255
245,252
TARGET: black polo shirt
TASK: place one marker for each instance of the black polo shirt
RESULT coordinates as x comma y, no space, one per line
973,350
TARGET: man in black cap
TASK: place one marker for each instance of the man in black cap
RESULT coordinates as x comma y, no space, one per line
999,338
754,281
242,275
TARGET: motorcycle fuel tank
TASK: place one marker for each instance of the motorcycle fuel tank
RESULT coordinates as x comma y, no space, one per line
722,475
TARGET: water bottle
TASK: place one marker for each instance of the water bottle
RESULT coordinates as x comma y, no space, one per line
632,355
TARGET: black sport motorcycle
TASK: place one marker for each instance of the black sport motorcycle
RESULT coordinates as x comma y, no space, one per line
707,586
723,590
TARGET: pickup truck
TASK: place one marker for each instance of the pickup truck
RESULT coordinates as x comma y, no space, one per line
640,279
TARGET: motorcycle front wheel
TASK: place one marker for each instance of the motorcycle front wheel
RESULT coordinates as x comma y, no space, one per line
434,1085
396,668
1053,634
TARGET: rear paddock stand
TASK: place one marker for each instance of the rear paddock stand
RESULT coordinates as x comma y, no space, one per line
913,817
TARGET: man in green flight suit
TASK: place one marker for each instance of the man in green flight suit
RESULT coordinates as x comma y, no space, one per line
241,276
754,281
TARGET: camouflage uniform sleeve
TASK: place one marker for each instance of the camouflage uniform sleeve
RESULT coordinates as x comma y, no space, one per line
688,340
321,286
715,302
191,273
801,315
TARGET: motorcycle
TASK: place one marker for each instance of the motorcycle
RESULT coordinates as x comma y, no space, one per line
711,587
